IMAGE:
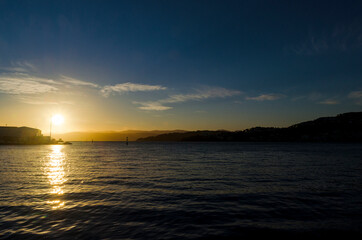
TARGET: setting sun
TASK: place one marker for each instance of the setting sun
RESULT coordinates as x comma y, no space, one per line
57,119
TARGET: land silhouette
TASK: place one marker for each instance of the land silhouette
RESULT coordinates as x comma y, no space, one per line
132,135
345,127
342,128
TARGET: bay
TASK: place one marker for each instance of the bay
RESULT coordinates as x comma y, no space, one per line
110,190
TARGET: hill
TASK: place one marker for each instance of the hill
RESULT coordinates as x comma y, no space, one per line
132,135
345,127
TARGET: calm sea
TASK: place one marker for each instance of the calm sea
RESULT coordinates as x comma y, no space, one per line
108,190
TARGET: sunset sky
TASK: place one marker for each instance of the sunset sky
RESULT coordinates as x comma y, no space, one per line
117,65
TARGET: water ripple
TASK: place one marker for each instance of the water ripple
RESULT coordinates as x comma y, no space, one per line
162,191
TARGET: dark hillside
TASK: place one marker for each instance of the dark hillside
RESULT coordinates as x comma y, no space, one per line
345,127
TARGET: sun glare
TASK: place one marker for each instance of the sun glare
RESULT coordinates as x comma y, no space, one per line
57,119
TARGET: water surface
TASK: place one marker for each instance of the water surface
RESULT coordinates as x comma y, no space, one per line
108,190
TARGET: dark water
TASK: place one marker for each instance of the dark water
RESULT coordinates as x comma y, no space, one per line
180,190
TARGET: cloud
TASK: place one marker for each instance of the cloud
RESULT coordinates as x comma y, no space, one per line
356,95
78,82
36,100
202,94
312,45
314,97
129,87
318,98
20,66
266,97
20,79
152,106
25,84
178,98
329,102
339,38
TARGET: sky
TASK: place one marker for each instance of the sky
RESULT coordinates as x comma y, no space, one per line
120,65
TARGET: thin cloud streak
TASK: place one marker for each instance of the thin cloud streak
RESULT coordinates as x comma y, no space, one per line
315,96
35,100
266,97
357,96
152,106
19,79
20,66
78,82
340,38
129,87
329,102
202,94
25,84
178,98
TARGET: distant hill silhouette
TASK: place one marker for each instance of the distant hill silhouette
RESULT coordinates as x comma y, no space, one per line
345,127
132,135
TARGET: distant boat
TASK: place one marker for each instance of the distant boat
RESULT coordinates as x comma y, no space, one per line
67,143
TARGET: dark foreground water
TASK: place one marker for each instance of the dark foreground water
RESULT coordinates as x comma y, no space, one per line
180,191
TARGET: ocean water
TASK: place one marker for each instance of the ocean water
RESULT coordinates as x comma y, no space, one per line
108,190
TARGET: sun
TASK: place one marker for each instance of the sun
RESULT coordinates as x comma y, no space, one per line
57,119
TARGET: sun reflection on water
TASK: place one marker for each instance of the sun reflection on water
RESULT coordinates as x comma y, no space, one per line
56,176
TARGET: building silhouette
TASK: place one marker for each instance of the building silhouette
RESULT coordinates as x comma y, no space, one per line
22,135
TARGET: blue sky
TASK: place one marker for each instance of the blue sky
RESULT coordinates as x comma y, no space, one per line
113,65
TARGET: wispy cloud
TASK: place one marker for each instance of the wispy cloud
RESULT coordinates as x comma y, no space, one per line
37,100
312,45
20,78
24,70
203,94
314,96
77,82
339,38
129,87
152,106
319,98
25,84
329,102
356,95
20,66
266,97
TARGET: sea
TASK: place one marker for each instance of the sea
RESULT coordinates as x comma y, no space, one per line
193,190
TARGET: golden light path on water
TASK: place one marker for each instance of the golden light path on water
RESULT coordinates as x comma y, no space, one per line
56,175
